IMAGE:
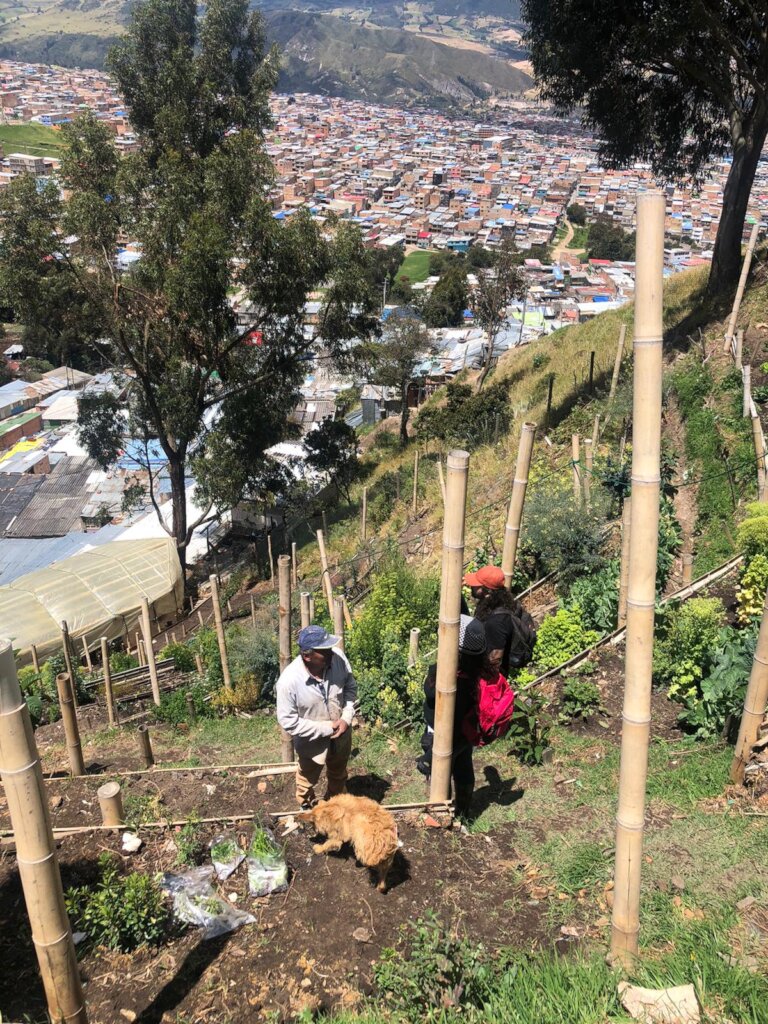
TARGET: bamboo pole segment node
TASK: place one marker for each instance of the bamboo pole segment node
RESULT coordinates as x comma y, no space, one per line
327,586
145,745
87,655
617,362
587,469
271,560
415,499
517,501
69,721
739,347
576,463
755,702
746,380
413,648
220,631
741,286
35,660
68,663
108,696
364,515
36,851
641,585
305,617
111,804
338,621
448,629
149,650
294,566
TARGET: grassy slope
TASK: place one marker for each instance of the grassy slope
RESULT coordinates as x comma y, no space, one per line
415,266
30,138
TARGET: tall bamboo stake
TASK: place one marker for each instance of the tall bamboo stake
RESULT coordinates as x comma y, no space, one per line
441,476
149,650
687,568
325,522
347,615
364,516
305,619
36,851
87,655
142,652
596,431
739,346
759,441
517,501
643,547
294,566
311,608
617,362
253,612
35,660
413,648
415,499
68,663
338,621
448,630
271,560
326,574
587,468
746,378
284,627
742,285
576,459
220,631
626,526
755,701
111,804
69,721
108,697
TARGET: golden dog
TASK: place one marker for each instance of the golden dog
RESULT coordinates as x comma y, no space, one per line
368,827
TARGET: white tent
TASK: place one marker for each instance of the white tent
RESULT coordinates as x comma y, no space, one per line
97,592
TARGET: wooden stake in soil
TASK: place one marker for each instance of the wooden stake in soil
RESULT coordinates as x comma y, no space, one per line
284,627
759,440
643,546
347,616
87,655
220,631
326,574
596,432
413,649
149,651
35,850
517,501
311,607
739,347
338,621
742,285
140,651
199,666
441,476
68,662
69,721
305,619
253,612
587,469
746,379
145,745
448,631
108,697
415,499
755,701
687,568
294,566
575,461
35,661
111,804
271,560
617,362
364,516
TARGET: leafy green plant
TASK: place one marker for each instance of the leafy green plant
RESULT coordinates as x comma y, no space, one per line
720,696
560,636
566,537
254,656
190,845
392,692
529,729
174,709
752,536
183,656
120,912
206,644
581,698
597,595
690,635
121,661
141,808
750,593
468,418
245,695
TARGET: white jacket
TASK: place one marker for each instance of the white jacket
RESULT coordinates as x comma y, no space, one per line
306,706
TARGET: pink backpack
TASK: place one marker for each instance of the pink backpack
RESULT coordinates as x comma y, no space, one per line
491,717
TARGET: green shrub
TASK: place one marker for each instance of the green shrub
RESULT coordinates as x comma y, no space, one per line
566,537
206,644
689,639
597,596
392,692
750,593
42,698
561,636
254,654
670,538
528,734
467,418
183,657
119,912
190,845
581,697
720,695
121,661
245,695
173,707
752,536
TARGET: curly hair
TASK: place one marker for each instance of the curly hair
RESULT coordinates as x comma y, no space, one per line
501,598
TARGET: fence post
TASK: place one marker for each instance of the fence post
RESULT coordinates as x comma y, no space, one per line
68,662
739,347
517,501
549,399
587,469
448,632
742,284
36,850
294,566
626,526
305,619
326,574
364,516
347,615
755,701
617,362
145,745
687,568
111,804
87,655
220,636
415,499
69,721
35,661
311,607
641,592
746,378
596,431
759,441
413,649
271,559
575,460
441,475
149,650
108,697
253,612
591,372
284,591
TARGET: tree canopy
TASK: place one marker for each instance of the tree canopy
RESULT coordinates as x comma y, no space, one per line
394,359
672,83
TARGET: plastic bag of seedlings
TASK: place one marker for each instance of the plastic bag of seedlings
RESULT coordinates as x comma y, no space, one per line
195,902
266,864
226,855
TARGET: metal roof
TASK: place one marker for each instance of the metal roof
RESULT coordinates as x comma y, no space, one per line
56,506
16,491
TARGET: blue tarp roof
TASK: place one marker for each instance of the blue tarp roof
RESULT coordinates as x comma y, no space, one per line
134,455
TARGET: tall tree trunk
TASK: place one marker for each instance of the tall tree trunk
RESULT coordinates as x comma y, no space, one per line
404,412
726,258
176,468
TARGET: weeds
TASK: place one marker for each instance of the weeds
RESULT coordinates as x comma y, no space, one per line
190,845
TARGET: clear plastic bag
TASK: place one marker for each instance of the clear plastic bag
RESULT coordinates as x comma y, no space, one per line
226,855
266,864
195,902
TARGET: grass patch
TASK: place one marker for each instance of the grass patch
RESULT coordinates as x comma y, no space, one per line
415,266
35,139
256,739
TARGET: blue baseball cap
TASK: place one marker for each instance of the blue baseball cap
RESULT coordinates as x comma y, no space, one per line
315,638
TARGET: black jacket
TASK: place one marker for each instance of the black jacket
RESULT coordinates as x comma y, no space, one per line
466,687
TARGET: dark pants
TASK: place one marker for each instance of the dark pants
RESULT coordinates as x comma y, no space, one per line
462,769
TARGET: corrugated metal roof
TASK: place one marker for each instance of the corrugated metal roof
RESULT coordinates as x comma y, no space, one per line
55,508
16,491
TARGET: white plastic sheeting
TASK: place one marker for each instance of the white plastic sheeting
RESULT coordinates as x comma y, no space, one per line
98,593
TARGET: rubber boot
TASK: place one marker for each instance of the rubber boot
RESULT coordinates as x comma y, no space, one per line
463,799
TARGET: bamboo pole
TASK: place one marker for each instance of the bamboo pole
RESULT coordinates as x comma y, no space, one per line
742,285
111,804
68,660
617,362
575,460
641,594
111,715
253,612
35,850
755,701
140,652
746,378
739,346
305,619
338,621
448,631
326,574
199,665
284,633
149,651
294,566
35,661
364,516
87,655
757,436
517,501
200,618
687,568
626,529
311,607
441,476
145,745
415,498
220,632
413,649
347,615
587,469
271,560
325,522
596,432
69,721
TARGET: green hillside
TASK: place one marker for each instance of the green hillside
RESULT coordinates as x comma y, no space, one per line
35,139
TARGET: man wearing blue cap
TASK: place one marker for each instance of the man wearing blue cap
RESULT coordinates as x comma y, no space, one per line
315,705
